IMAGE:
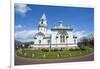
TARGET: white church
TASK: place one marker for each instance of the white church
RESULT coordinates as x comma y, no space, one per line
60,36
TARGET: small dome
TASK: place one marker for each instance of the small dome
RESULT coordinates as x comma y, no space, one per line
61,27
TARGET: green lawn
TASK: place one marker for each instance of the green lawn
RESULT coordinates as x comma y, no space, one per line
40,54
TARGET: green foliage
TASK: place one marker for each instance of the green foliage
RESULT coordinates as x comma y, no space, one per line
54,53
61,49
55,50
71,49
82,47
87,41
52,50
45,50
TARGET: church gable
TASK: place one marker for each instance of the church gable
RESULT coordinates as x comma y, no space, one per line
60,36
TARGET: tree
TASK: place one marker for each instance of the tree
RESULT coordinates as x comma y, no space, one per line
87,41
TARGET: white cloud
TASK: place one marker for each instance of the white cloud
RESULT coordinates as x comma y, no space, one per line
22,8
81,34
49,31
18,26
25,35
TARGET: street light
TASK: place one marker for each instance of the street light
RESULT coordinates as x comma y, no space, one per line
23,46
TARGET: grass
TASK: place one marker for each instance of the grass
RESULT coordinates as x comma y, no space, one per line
53,54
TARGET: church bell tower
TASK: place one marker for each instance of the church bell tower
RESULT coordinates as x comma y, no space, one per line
42,24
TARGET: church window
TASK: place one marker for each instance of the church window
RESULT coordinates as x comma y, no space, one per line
74,37
39,41
48,41
75,41
42,21
62,38
56,37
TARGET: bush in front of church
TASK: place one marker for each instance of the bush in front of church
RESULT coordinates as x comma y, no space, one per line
45,50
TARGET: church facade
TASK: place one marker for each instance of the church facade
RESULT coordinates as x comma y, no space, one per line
59,36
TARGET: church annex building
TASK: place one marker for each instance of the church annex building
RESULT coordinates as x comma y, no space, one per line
60,36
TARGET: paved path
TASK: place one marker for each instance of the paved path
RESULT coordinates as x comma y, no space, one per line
26,61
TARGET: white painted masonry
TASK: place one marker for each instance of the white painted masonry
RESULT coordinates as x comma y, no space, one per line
60,36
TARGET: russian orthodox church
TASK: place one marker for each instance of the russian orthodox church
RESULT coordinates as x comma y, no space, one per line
59,37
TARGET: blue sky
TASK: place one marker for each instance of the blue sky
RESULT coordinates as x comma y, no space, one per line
27,17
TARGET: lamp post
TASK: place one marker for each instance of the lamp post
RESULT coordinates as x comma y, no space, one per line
23,46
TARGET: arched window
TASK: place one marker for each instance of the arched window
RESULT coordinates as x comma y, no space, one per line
48,41
62,39
75,41
74,37
62,35
39,41
42,20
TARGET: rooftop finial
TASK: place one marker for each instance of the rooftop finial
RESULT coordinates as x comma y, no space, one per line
43,16
61,23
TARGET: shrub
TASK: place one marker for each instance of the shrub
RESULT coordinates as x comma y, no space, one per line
82,48
61,49
71,49
45,50
55,49
52,50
